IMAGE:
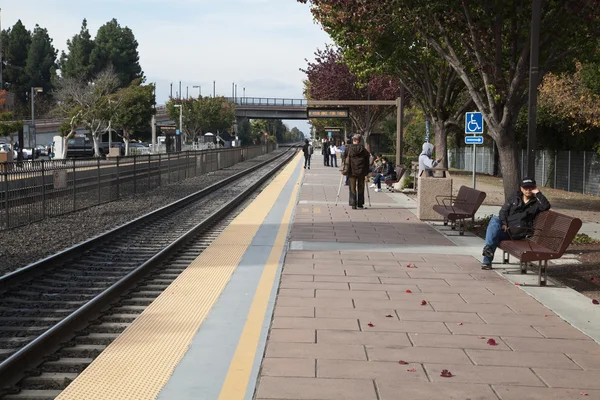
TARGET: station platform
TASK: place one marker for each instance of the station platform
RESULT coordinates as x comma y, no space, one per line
303,299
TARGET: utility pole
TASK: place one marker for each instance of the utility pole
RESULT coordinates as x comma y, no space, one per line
180,93
534,73
214,90
187,92
232,90
171,95
400,128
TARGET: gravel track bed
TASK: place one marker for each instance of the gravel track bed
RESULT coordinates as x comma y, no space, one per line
24,245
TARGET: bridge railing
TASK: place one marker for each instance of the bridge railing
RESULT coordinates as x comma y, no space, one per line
267,101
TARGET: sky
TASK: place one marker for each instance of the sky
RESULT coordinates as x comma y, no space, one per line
258,44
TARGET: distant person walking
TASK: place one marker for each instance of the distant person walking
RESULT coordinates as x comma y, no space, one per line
325,152
307,149
356,166
333,150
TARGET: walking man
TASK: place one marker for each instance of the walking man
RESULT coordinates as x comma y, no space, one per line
307,149
516,219
356,166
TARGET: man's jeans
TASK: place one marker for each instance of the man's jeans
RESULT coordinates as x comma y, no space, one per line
307,161
494,236
333,161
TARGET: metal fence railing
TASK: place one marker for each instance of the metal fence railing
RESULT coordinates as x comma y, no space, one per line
573,171
34,190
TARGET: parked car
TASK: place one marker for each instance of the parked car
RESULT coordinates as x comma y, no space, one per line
5,147
84,147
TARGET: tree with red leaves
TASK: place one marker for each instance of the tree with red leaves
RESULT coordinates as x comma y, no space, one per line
329,78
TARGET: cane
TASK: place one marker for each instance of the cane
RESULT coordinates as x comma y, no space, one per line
368,193
339,190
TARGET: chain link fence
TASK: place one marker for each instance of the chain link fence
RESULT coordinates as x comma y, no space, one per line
34,190
572,171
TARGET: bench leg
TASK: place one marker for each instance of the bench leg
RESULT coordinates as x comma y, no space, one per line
445,222
543,274
461,227
505,257
453,225
523,268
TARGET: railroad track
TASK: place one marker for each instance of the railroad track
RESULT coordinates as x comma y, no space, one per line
46,308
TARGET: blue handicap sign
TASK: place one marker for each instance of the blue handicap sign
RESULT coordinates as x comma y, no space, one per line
474,123
177,132
473,139
329,134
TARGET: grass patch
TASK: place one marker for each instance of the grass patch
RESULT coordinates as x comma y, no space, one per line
582,238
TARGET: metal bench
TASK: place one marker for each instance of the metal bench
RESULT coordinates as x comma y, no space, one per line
463,206
552,234
390,182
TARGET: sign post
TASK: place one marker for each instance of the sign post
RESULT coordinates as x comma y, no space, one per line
474,126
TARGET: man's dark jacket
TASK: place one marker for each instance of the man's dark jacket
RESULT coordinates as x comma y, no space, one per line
519,217
356,160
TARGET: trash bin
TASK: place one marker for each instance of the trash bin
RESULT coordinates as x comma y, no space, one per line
429,188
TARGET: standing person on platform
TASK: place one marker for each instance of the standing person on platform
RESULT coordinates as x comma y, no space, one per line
356,166
425,161
333,150
307,149
325,152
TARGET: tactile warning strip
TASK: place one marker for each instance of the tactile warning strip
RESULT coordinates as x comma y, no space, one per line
140,361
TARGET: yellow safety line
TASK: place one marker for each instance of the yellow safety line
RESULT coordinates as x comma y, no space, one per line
141,360
238,376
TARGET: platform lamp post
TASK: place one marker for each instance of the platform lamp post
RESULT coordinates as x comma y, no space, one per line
34,90
199,90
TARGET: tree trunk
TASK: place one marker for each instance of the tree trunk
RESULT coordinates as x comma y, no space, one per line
507,153
126,141
441,141
96,145
65,145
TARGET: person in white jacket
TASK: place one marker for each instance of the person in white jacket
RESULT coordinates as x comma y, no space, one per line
333,151
425,161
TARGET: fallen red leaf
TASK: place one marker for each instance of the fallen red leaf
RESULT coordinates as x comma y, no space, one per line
370,324
517,284
595,280
583,393
402,362
492,342
412,370
389,316
410,266
446,374
459,323
481,337
546,315
408,291
594,301
423,303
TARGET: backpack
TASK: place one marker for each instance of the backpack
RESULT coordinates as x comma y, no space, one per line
310,149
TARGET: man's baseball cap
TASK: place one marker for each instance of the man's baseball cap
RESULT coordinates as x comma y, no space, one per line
528,183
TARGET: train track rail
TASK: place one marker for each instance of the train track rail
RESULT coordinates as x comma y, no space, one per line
47,306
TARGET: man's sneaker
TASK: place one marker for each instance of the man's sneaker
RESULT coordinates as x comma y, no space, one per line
488,252
486,266
372,185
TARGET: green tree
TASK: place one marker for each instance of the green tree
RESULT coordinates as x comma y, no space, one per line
201,115
41,61
16,42
244,132
116,46
134,107
8,126
77,62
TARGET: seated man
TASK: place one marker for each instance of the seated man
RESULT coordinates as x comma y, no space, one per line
516,219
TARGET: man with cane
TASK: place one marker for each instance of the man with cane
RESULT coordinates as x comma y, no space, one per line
356,166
